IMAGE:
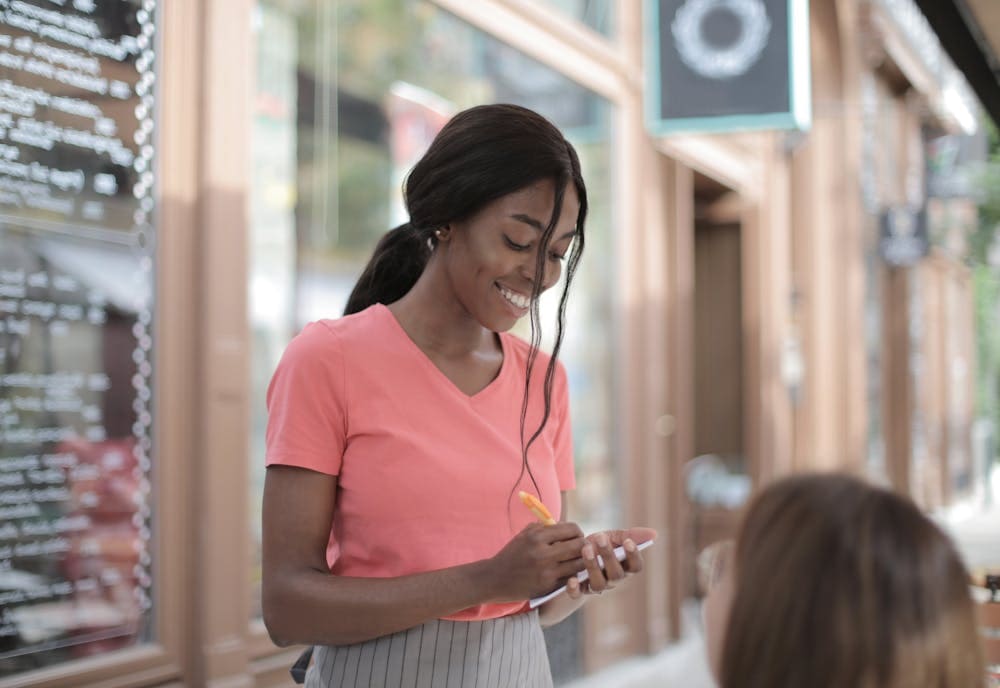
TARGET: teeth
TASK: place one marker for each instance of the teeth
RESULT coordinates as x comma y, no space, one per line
516,299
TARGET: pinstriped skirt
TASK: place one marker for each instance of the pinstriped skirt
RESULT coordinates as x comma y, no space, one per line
508,652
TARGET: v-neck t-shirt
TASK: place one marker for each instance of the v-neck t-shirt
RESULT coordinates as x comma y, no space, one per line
427,475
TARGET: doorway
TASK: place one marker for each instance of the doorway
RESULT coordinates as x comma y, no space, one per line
715,474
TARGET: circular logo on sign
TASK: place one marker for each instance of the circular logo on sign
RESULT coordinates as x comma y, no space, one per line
721,61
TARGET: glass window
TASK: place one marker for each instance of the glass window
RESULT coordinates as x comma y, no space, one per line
873,318
871,196
76,313
597,14
332,146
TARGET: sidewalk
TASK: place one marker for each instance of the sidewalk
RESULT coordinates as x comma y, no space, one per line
682,665
974,527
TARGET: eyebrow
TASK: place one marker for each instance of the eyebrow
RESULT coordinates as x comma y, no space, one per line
528,220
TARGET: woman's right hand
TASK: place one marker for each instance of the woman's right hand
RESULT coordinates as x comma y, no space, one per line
536,561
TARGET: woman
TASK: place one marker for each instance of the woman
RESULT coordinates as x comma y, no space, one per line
833,583
400,434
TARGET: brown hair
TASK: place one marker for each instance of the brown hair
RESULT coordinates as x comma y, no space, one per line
839,584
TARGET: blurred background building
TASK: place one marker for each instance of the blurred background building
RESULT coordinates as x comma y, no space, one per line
791,264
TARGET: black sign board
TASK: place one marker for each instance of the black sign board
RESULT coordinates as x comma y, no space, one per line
725,65
903,239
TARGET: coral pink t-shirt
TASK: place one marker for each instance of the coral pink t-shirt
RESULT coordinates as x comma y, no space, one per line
425,472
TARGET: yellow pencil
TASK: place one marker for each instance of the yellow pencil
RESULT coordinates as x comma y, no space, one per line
537,508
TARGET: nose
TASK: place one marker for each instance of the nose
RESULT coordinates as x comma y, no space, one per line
552,269
527,268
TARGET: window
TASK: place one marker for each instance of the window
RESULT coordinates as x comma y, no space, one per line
76,313
599,15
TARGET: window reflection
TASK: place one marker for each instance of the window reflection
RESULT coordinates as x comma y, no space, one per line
75,566
76,336
599,15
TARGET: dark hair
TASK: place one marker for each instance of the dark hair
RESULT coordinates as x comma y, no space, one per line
480,155
839,584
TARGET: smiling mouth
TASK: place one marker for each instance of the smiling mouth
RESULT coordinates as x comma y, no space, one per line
515,299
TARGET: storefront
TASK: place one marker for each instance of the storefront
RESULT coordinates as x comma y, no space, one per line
919,297
159,250
183,185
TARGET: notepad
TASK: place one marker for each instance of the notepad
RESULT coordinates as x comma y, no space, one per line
584,575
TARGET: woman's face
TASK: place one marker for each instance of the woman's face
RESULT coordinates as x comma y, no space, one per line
491,256
719,585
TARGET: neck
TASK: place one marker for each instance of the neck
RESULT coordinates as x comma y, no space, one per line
436,321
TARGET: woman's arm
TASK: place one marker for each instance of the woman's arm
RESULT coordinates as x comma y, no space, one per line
304,604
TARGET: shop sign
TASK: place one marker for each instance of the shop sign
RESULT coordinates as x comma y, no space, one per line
952,161
903,236
725,65
78,193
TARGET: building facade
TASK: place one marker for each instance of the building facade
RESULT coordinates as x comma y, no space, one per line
183,185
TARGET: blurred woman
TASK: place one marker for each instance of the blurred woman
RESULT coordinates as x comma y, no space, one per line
833,583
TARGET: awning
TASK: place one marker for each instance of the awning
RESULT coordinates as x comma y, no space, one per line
969,31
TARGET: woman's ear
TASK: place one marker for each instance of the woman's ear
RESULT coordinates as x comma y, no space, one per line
443,233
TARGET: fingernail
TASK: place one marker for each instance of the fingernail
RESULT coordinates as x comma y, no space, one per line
629,546
573,584
602,540
588,552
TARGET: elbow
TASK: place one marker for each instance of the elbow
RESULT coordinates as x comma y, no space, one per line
276,618
289,597
276,634
276,630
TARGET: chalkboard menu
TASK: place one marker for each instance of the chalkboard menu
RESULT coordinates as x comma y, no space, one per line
727,65
77,248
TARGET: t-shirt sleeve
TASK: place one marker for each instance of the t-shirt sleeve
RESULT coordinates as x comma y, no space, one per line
563,444
306,403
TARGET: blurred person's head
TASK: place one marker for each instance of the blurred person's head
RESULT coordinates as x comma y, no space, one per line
833,583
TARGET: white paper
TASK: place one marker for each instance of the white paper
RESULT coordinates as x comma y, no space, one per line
584,575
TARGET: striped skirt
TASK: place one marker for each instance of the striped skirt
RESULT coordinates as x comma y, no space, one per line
496,653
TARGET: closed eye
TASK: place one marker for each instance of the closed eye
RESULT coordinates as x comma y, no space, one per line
514,245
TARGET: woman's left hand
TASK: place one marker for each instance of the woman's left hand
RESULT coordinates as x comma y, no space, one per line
603,543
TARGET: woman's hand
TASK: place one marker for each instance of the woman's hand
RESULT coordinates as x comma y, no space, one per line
603,543
536,561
